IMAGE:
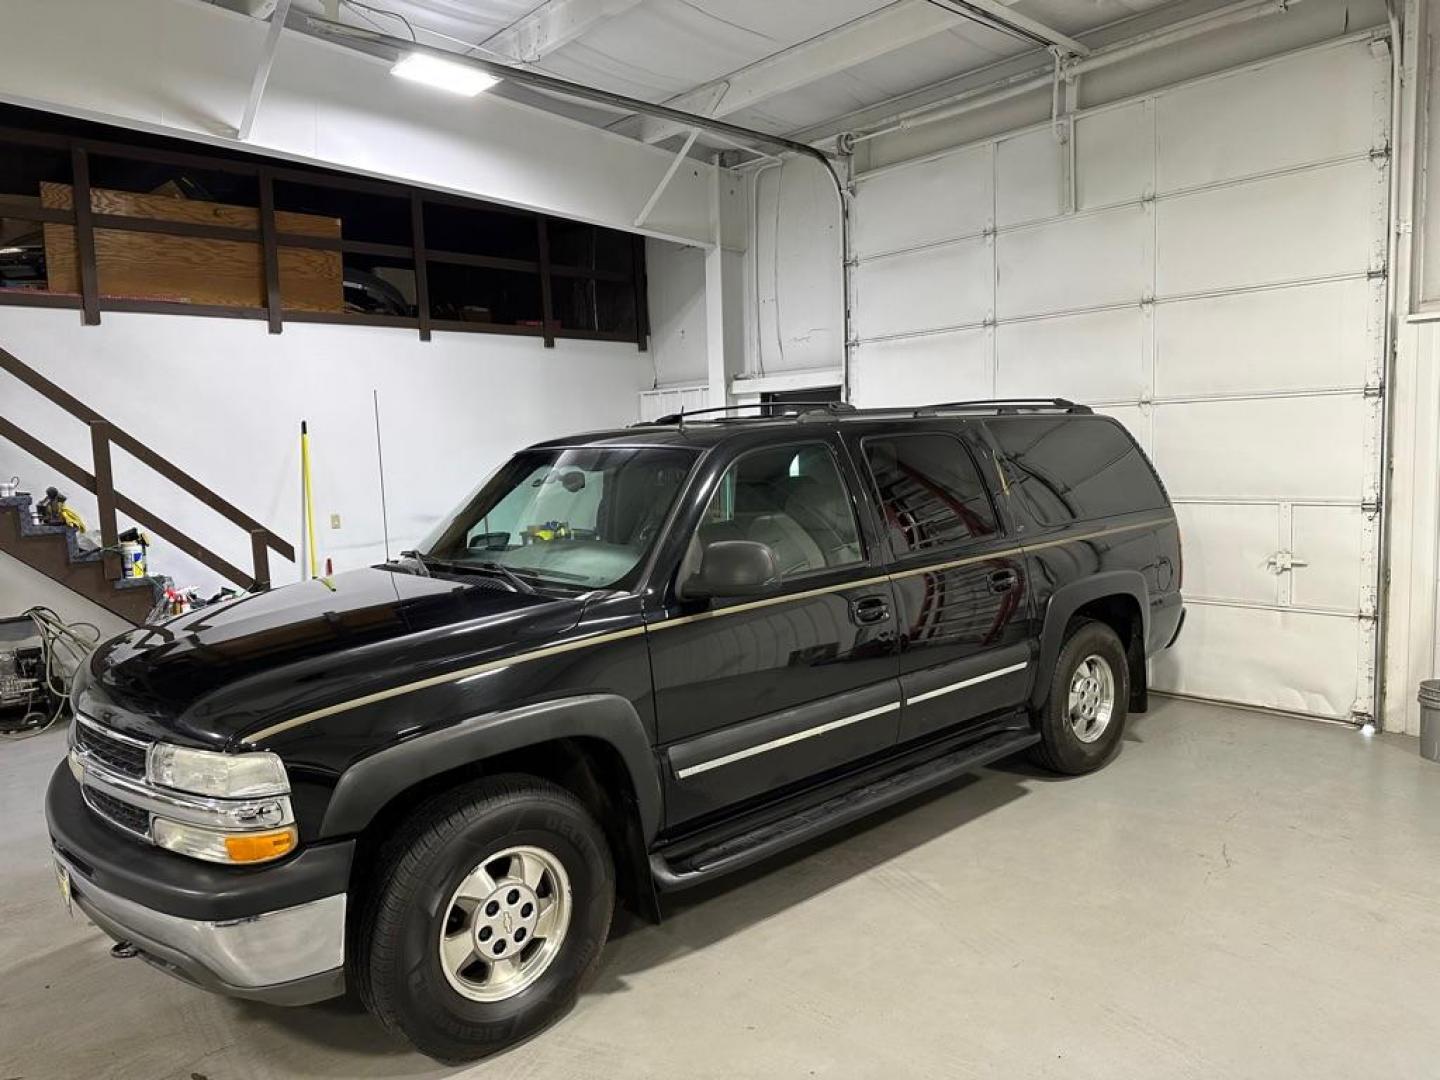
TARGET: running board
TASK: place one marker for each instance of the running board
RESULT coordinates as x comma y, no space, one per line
750,847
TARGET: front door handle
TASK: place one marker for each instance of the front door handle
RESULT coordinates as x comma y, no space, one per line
1002,581
869,610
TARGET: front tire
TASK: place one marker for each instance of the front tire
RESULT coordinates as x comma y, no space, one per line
1083,718
489,909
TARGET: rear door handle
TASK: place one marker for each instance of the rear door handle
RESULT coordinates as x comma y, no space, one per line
1002,581
869,610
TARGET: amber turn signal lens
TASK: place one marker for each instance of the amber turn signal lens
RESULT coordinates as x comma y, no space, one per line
258,847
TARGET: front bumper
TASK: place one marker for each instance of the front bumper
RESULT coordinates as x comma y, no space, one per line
272,934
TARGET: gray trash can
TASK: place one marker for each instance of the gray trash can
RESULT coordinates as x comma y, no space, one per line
1430,719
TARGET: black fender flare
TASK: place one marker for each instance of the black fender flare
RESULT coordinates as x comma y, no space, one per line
1067,600
369,784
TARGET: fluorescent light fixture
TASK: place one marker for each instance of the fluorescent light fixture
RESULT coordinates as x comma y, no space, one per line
11,250
443,74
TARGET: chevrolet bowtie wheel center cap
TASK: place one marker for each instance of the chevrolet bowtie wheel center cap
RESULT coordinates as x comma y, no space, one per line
504,924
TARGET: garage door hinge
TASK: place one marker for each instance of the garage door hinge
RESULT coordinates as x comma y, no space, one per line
1377,274
1370,506
1380,153
1374,390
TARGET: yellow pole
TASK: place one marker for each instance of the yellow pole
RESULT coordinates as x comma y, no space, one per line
309,498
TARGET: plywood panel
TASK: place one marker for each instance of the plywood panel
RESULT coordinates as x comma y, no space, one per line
188,269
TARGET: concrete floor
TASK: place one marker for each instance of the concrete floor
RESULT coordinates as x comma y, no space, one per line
1237,895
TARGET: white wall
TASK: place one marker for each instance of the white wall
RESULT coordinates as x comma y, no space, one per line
223,400
798,298
676,279
22,587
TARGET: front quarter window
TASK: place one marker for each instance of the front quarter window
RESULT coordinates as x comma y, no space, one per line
582,517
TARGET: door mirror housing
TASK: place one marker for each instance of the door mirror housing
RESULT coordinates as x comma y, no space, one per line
733,568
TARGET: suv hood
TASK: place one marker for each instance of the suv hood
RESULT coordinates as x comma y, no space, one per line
208,676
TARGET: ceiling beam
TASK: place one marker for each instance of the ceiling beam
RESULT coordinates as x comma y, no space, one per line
870,36
1034,28
278,15
551,25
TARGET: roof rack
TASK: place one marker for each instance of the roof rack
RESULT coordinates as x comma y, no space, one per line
1006,406
801,409
806,411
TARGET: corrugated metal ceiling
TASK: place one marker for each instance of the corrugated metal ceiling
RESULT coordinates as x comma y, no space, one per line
659,49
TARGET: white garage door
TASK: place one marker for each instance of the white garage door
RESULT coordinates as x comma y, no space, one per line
1219,287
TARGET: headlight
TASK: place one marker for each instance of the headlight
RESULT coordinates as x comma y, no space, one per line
224,776
212,846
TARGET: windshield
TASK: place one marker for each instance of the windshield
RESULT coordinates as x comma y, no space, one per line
584,518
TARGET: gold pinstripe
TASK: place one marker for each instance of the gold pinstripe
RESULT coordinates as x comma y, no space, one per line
436,680
670,624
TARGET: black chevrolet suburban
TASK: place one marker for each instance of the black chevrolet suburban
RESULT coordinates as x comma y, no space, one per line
631,661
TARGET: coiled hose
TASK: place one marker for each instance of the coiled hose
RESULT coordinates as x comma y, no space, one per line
74,641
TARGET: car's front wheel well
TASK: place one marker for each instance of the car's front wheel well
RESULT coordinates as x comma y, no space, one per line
1121,612
590,769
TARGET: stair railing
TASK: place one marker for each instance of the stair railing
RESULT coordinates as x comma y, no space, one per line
101,483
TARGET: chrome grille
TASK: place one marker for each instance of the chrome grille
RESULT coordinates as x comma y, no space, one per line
122,753
121,814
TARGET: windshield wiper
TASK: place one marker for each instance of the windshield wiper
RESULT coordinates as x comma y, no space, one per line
425,562
418,560
516,581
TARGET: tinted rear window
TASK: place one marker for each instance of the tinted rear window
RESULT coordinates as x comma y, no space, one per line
930,491
1075,468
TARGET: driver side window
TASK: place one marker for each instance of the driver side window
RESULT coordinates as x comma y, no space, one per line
791,498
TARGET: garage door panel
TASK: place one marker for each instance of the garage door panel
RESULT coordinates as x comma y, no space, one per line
1028,175
1212,290
1114,159
1313,107
1297,448
924,290
1226,548
1309,336
1277,659
911,371
1332,541
1296,227
1078,262
954,192
1097,356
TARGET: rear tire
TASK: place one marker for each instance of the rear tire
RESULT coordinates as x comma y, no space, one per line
489,909
1083,718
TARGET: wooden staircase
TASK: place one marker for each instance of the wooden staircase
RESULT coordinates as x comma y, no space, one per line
53,549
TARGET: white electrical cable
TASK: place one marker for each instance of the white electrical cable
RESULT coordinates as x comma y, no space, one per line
77,640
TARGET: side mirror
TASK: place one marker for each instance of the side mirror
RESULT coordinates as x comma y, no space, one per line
733,568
